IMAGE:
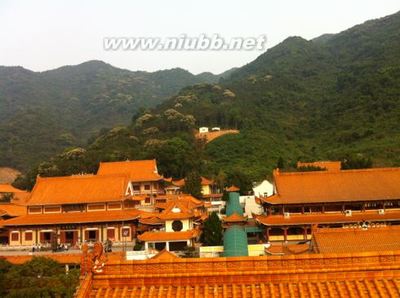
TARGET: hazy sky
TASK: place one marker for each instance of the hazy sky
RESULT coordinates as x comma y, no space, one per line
42,35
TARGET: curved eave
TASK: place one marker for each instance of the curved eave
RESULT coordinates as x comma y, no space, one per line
356,217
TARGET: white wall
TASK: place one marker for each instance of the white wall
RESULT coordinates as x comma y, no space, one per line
264,189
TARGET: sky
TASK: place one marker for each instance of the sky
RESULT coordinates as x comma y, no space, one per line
46,34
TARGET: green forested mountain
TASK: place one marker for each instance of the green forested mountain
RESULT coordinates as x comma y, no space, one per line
42,113
334,97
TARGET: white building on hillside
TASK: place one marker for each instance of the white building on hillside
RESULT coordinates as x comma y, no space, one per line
263,189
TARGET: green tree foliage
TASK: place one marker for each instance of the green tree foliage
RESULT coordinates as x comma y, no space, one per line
356,162
310,169
321,99
242,180
40,277
193,184
6,197
44,113
280,163
212,231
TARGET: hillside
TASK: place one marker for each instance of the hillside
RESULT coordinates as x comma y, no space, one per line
334,97
41,113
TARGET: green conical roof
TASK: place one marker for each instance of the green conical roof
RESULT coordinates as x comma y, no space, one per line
233,204
235,242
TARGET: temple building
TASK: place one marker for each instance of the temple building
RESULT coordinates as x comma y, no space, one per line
332,198
76,209
143,175
176,226
89,208
209,190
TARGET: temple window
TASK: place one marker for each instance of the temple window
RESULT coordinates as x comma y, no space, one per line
14,236
28,236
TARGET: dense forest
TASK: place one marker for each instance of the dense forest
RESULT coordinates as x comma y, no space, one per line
41,113
333,97
39,277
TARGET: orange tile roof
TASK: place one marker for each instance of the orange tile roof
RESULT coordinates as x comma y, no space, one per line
235,218
342,186
332,166
179,207
164,255
287,249
179,183
78,189
168,236
356,240
73,218
213,195
204,181
137,170
233,188
371,274
8,175
152,221
378,287
12,209
326,218
8,188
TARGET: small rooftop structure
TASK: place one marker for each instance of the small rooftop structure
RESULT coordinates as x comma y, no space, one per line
331,166
232,188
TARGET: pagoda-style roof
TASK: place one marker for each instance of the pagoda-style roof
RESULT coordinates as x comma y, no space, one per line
11,209
327,218
78,189
232,188
8,188
73,218
161,236
204,181
179,207
136,170
335,186
152,221
235,218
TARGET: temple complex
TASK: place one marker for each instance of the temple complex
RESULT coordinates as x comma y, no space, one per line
362,274
122,200
332,198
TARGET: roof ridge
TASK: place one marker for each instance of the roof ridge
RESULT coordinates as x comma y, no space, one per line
309,173
40,178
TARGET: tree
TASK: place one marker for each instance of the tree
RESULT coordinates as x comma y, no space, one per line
193,184
220,180
6,197
280,163
240,179
212,231
40,277
356,162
